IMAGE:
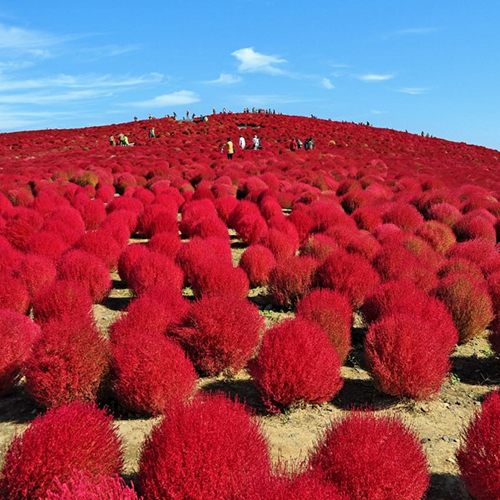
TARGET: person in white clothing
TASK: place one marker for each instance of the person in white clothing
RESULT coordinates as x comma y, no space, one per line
242,142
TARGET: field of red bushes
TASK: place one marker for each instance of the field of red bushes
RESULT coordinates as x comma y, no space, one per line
284,324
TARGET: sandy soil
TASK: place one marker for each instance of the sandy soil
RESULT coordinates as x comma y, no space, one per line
439,422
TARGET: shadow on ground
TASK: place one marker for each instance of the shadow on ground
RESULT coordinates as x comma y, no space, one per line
475,370
446,487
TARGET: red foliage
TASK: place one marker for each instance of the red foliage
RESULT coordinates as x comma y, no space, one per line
403,215
477,251
438,235
17,335
9,258
367,218
296,363
14,295
478,457
319,246
209,449
221,333
349,274
93,212
21,224
151,372
211,226
303,222
76,437
258,262
63,299
149,217
156,269
47,244
251,229
158,310
36,273
364,244
192,213
471,226
333,313
87,269
85,486
132,255
165,243
405,355
101,244
291,279
225,205
367,456
445,213
460,265
281,244
68,362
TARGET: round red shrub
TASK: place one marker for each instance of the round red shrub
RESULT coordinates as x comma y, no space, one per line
221,333
151,372
258,262
477,251
47,244
389,461
192,213
132,255
36,273
105,193
121,217
9,259
281,244
470,227
468,301
445,213
126,203
333,313
348,274
211,226
68,362
303,222
165,243
403,215
209,449
367,218
224,206
85,486
215,277
14,295
460,265
251,229
101,244
156,269
319,246
88,270
406,357
93,212
20,226
17,335
63,299
438,235
291,279
151,212
76,437
296,363
364,244
477,456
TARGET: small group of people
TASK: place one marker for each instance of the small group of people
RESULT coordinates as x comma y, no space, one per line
296,144
122,140
228,146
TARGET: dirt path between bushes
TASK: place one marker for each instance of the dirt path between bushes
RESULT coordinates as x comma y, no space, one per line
439,423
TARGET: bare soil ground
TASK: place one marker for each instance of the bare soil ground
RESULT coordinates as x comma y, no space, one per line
291,435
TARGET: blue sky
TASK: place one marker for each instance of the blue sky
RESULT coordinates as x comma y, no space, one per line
430,66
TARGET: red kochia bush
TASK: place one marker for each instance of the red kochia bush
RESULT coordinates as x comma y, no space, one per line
151,372
438,235
36,273
349,274
333,313
406,356
88,270
156,269
76,437
85,486
215,277
21,224
133,254
478,457
63,299
68,362
367,456
17,335
210,449
251,229
101,244
221,333
291,279
257,261
296,363
468,301
13,294
49,244
403,215
472,226
168,244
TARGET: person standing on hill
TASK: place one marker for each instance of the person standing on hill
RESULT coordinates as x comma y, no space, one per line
230,148
112,141
293,145
242,142
152,132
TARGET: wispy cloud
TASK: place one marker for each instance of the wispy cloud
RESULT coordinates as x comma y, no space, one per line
252,61
45,98
225,79
412,31
373,77
173,99
327,84
413,90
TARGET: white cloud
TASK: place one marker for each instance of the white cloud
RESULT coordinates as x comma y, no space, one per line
37,98
226,79
173,99
255,62
327,84
373,77
413,90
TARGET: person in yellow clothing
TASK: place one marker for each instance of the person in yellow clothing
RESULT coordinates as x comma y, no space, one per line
230,148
